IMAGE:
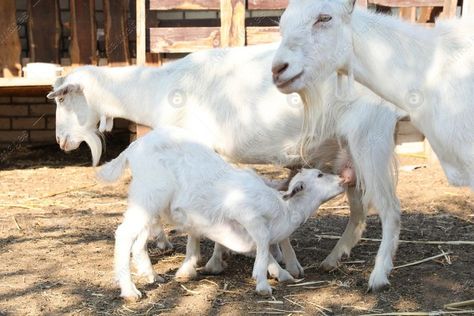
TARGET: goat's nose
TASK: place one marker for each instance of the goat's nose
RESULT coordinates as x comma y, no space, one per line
279,69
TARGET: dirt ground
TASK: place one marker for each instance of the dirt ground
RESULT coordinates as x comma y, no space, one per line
57,234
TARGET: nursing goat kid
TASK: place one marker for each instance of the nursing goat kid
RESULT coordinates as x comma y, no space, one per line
187,184
226,98
427,72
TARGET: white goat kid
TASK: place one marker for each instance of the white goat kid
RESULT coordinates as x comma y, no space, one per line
428,72
227,99
176,179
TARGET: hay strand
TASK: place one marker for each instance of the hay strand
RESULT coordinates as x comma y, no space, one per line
422,261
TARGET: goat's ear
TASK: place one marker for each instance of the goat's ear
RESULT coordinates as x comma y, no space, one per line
63,90
350,5
293,190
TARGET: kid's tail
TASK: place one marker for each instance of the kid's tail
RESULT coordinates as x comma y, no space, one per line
112,170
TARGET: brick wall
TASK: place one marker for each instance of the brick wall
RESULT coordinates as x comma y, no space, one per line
31,121
26,120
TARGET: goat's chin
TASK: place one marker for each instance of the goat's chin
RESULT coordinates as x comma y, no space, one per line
95,144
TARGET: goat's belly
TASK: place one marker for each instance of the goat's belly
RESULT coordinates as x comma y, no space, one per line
231,235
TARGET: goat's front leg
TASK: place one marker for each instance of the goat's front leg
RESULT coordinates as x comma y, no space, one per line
353,232
216,264
187,271
289,258
261,236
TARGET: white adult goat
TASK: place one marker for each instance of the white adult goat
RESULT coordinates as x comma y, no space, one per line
176,179
227,99
428,72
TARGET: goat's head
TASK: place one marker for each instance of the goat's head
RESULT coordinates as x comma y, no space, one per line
316,41
322,186
76,120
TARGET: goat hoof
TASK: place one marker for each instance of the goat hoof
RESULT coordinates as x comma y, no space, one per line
131,295
185,274
215,267
379,284
296,270
329,265
285,276
154,278
264,289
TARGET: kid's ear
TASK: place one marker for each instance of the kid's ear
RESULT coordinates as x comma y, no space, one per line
295,189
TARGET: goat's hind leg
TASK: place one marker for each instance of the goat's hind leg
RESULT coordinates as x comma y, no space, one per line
353,232
277,272
125,236
216,264
292,264
187,271
142,260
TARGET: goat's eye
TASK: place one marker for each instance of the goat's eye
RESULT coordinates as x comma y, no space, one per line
323,18
60,100
320,175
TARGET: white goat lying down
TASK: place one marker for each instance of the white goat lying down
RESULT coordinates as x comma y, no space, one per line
187,184
226,98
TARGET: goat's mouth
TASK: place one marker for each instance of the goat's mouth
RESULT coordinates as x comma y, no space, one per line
282,85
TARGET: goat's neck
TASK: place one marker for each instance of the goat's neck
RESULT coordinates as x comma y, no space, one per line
300,208
121,98
390,56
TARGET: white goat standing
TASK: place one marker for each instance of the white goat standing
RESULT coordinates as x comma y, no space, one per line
428,72
174,178
226,98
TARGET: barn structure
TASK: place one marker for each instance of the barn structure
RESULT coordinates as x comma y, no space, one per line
69,33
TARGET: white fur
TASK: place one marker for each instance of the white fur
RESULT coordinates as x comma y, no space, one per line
226,98
427,72
176,179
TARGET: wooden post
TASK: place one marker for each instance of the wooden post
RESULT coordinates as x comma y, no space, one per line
468,9
363,3
449,9
408,14
232,23
116,32
141,49
44,31
10,50
141,32
83,32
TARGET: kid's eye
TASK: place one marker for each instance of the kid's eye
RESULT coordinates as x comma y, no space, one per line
320,175
323,18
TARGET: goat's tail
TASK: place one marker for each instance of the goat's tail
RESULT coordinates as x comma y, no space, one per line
112,170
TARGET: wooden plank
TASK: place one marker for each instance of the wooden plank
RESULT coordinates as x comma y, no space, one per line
165,5
232,23
83,46
9,40
267,4
408,3
449,9
468,9
44,46
408,14
141,32
262,35
184,39
362,3
116,32
25,82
